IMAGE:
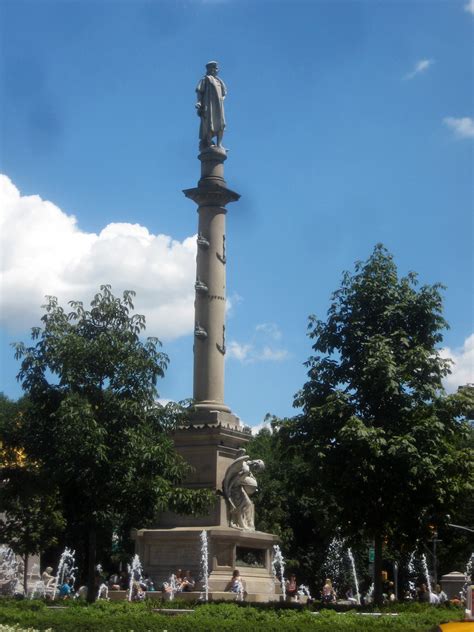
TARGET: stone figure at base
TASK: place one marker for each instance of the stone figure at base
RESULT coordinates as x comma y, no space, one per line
211,92
238,485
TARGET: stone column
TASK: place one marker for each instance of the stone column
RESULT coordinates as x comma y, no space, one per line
211,195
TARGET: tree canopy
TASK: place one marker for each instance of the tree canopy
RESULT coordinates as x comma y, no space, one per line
93,426
381,441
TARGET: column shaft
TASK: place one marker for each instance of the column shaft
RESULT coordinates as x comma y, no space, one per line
209,352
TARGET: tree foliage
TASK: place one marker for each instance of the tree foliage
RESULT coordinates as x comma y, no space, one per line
289,504
94,427
382,442
32,518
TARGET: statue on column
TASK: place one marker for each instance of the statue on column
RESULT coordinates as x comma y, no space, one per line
211,92
238,485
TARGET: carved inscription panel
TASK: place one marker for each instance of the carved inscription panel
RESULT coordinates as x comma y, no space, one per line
174,555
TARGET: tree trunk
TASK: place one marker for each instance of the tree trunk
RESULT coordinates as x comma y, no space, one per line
378,594
25,574
91,551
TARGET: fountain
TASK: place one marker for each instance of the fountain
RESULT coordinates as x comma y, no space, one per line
135,570
334,563
411,574
278,561
369,595
354,574
34,571
433,596
467,577
39,590
66,569
172,586
103,592
335,566
205,564
10,582
304,590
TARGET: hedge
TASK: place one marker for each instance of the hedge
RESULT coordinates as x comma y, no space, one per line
224,617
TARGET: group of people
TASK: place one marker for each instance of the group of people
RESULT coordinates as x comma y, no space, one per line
181,581
121,581
102,584
65,590
423,594
436,596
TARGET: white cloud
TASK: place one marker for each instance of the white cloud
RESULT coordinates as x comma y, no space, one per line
462,371
260,348
275,355
421,66
462,127
469,7
238,351
231,302
270,329
45,252
265,424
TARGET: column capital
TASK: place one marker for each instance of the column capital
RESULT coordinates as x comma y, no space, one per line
211,195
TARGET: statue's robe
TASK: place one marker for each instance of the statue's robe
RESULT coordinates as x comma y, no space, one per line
211,92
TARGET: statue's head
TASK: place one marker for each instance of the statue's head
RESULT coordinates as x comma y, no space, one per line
257,465
212,68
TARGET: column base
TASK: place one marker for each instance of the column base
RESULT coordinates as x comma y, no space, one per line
211,406
162,551
211,415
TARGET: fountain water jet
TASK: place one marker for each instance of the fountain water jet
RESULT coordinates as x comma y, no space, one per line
9,571
172,586
66,568
467,577
205,564
369,595
34,570
135,571
278,561
411,574
333,564
354,574
304,590
433,596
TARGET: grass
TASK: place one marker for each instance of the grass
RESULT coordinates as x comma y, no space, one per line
223,617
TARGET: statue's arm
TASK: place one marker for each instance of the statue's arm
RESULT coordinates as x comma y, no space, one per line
199,94
223,88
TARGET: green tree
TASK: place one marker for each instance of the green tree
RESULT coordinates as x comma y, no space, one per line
381,440
32,517
94,427
288,504
9,408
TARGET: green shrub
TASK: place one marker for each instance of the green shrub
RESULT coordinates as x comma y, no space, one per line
213,617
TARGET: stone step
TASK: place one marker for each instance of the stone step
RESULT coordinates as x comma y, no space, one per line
117,595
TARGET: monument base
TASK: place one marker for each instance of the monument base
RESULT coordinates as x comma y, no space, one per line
164,551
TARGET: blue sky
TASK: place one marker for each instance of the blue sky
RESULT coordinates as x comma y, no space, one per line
349,123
